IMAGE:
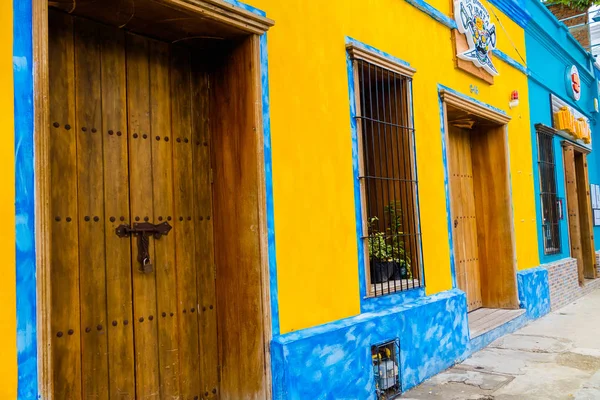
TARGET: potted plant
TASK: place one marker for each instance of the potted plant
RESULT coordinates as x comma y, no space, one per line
396,231
388,257
381,258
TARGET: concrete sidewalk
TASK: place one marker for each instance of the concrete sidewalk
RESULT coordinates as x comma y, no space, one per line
555,357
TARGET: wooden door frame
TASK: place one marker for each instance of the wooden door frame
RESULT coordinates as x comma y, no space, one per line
217,10
450,98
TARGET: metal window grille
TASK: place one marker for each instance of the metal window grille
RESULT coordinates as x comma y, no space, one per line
386,369
388,179
548,195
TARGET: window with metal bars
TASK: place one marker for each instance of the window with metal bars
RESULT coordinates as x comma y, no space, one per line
388,178
548,195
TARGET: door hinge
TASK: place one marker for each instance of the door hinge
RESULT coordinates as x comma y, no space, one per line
211,176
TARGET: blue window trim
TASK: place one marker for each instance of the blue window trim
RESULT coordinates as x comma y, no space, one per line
368,304
26,288
447,171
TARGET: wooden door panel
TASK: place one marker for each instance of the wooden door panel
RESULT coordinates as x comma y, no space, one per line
464,219
573,209
164,249
116,202
236,202
585,216
141,206
203,227
90,195
184,224
495,222
64,245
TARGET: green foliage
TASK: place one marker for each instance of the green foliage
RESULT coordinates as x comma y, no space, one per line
580,5
388,245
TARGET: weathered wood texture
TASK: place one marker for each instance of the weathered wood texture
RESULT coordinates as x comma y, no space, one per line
130,142
203,217
163,193
495,229
43,212
464,218
170,19
90,196
236,204
573,208
64,244
588,252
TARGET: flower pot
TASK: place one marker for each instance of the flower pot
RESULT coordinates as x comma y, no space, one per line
400,272
382,271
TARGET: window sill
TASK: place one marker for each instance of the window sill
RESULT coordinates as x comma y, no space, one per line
394,287
386,299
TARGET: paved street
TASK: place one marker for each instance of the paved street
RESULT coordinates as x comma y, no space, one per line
556,357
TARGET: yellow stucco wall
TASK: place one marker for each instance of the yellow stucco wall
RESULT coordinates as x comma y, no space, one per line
8,323
311,141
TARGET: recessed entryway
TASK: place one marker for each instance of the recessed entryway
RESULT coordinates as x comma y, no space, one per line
480,204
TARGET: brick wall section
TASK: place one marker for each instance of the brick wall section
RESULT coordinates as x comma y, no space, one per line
582,34
564,284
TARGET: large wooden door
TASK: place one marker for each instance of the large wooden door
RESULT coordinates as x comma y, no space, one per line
464,218
581,235
129,144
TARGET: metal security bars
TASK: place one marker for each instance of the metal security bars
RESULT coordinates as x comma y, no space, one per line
388,179
549,198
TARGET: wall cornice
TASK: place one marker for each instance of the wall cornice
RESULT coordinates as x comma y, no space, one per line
513,10
554,47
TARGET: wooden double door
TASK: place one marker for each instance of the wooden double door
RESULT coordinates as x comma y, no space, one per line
130,148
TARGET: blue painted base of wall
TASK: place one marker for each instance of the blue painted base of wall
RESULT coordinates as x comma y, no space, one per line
534,292
333,361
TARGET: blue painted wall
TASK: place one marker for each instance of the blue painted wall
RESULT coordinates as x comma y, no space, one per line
550,51
333,361
24,201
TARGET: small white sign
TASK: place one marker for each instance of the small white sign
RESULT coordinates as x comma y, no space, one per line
596,217
593,196
473,20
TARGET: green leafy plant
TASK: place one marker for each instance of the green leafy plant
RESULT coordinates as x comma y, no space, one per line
389,244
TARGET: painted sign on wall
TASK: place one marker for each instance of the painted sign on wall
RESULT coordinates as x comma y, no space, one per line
573,83
473,20
570,123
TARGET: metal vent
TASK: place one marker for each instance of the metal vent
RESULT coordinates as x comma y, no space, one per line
386,370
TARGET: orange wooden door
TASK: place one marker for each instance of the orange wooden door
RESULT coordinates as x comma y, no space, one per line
464,219
130,144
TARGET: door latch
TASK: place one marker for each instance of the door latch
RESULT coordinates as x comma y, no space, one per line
143,231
